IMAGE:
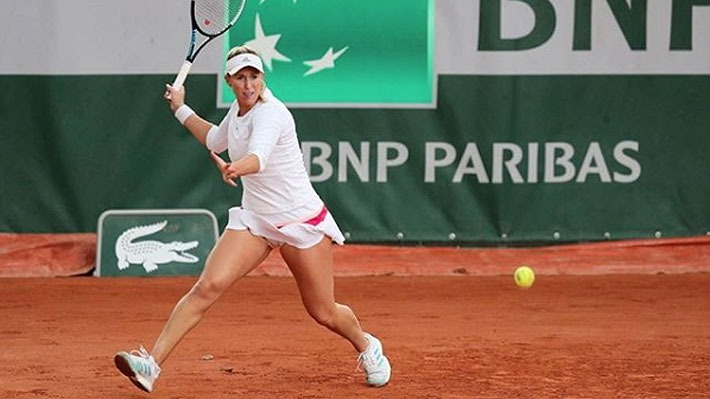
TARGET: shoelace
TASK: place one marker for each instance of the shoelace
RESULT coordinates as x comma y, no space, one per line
365,360
147,363
141,352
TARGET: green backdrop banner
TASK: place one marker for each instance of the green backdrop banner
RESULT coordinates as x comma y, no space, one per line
515,159
452,121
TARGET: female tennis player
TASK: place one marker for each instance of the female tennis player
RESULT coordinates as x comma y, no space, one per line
279,209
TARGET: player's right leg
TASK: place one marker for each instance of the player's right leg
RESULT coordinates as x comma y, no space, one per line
237,253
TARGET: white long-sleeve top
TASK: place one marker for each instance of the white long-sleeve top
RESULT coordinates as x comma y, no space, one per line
269,132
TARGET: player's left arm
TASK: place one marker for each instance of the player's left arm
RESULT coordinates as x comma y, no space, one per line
266,127
245,165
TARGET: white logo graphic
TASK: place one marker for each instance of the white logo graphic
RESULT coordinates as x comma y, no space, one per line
151,253
266,46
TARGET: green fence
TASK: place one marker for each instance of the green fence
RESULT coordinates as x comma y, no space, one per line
501,158
533,122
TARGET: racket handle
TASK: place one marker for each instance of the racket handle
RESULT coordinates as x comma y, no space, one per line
182,75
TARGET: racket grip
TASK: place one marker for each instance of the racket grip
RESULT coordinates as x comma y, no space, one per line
182,75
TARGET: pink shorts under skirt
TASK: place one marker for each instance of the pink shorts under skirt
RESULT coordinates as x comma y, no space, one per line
301,235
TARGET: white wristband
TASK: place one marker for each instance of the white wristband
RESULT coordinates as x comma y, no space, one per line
183,112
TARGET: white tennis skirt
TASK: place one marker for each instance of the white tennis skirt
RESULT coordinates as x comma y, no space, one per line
299,233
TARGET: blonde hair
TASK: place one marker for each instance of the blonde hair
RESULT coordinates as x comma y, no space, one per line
244,49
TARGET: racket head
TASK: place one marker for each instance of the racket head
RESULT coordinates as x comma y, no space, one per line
214,17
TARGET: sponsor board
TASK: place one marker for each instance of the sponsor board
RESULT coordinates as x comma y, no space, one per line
154,242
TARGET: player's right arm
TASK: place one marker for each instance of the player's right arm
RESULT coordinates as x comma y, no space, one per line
195,124
198,127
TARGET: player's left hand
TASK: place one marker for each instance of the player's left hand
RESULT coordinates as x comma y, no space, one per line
228,175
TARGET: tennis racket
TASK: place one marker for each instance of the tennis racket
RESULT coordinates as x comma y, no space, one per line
210,19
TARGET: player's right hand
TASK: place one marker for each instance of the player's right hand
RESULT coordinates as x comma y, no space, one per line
175,97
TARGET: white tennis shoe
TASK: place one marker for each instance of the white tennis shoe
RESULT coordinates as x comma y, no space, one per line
139,366
374,362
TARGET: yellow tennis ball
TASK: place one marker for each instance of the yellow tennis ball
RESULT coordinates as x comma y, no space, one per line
524,277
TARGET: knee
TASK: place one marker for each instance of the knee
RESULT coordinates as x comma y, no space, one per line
207,290
324,315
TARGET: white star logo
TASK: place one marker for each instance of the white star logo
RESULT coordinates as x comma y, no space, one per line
264,1
325,62
266,45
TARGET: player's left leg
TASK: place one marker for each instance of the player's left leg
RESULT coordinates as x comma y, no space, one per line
312,269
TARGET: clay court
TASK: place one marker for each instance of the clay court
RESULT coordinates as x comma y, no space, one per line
449,332
453,141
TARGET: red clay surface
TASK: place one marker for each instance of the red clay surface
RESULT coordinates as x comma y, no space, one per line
604,336
48,255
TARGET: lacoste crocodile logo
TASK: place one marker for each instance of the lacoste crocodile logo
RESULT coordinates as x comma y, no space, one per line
151,253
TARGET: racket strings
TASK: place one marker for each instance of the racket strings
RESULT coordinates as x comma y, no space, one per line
214,16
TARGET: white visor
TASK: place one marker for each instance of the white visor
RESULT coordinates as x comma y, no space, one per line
237,63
